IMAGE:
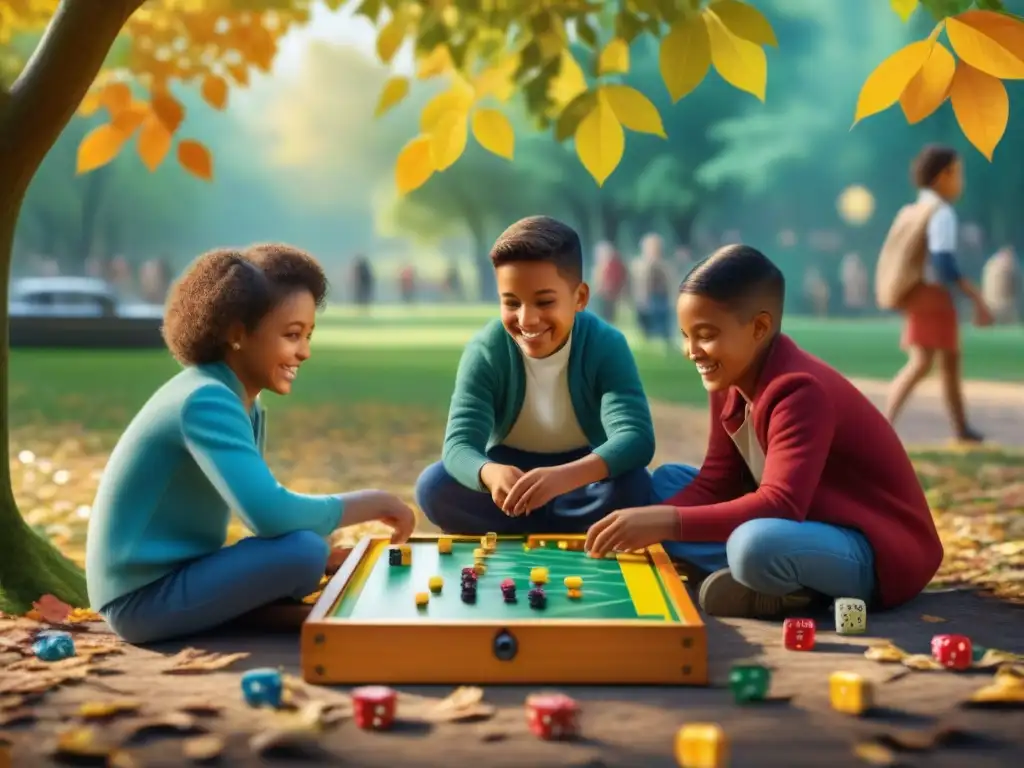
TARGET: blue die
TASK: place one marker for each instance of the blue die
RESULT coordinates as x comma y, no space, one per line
52,645
262,687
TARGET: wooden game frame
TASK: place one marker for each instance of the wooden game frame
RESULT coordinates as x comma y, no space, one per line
536,651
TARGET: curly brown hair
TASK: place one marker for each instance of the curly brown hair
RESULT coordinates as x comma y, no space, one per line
227,286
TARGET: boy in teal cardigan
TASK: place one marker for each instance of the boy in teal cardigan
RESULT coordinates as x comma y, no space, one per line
549,429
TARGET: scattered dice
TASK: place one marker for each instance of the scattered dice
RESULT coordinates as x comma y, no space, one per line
851,616
508,590
444,545
798,634
262,687
422,599
953,651
749,682
468,574
53,645
539,576
490,542
538,598
702,745
394,556
469,593
552,716
436,584
850,693
374,707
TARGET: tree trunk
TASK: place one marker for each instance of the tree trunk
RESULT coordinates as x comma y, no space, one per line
32,115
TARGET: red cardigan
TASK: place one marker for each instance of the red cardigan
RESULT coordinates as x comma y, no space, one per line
830,456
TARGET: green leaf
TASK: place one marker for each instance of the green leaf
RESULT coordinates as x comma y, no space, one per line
573,114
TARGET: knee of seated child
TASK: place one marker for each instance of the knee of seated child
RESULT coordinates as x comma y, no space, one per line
431,484
304,559
751,549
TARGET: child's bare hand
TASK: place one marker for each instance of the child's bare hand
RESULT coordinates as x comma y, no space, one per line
499,479
535,489
627,530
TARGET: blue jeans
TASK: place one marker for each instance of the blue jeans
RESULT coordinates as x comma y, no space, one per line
775,556
215,589
454,508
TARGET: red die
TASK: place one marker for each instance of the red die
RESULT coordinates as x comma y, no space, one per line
552,716
374,707
798,634
953,651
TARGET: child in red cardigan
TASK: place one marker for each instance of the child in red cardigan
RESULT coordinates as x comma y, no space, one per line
805,492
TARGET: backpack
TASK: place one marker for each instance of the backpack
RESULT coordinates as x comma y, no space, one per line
901,262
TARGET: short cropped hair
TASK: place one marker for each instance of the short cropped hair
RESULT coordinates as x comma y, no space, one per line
742,278
930,162
227,286
541,238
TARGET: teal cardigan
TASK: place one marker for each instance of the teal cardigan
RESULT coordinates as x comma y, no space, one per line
604,385
190,457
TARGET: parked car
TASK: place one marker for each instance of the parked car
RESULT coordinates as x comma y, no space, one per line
79,312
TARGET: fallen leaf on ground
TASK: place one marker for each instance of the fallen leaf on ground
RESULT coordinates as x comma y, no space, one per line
52,610
19,640
873,753
101,710
463,704
53,667
16,717
8,658
40,682
1006,690
921,662
81,741
83,616
203,748
995,658
122,758
12,702
194,661
179,722
932,619
887,654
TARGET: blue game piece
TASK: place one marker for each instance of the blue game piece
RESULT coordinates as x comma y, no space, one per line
53,645
262,687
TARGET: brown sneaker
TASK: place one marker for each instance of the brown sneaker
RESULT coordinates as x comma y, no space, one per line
721,595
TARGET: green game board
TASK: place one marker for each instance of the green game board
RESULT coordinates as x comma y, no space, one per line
387,592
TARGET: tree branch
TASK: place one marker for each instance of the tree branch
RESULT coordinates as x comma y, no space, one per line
56,78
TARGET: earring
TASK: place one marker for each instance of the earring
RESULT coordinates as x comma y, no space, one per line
236,346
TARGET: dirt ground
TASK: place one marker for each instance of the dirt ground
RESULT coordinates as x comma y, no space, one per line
623,726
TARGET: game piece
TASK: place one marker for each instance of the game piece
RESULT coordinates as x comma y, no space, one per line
492,541
406,551
702,745
539,575
538,599
394,556
422,598
563,545
468,593
479,553
444,545
575,594
53,645
508,590
850,693
749,682
263,687
552,716
468,573
480,569
798,634
851,616
573,582
435,584
952,651
374,707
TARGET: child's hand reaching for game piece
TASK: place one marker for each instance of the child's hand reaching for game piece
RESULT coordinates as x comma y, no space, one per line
627,530
535,489
364,506
499,479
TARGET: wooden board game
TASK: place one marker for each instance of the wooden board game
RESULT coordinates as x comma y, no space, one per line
633,622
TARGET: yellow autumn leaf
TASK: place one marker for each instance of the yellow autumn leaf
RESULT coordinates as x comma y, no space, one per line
745,21
394,90
437,62
684,56
415,165
90,104
740,62
458,98
600,141
215,91
494,132
570,81
99,147
614,58
498,81
128,120
115,97
982,52
169,110
448,139
390,38
883,86
929,87
981,106
1007,31
154,143
634,110
904,8
196,159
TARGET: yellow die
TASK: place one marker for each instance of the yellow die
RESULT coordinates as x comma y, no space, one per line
479,553
422,598
490,541
479,568
406,551
573,582
539,575
435,584
850,693
444,545
702,745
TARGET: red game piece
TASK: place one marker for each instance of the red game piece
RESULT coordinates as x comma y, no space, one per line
508,584
953,651
552,716
798,634
374,707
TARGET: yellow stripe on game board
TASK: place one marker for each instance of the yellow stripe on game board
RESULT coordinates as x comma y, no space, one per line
643,587
365,568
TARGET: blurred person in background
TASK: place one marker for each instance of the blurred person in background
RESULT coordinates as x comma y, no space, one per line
610,279
1001,285
654,287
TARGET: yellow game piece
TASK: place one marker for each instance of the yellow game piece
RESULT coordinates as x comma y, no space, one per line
563,545
479,553
435,583
702,745
444,545
422,598
575,594
850,693
573,582
490,541
539,575
406,551
480,569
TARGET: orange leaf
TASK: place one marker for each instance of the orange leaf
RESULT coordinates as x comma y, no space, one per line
99,147
240,74
130,118
215,91
89,104
195,158
154,144
928,89
115,97
981,106
52,609
169,110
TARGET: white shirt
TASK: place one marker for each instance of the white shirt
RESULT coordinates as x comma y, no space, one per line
547,422
942,231
747,444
